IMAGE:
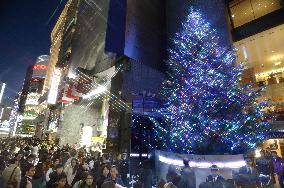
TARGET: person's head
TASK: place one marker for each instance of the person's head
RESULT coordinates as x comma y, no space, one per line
31,158
262,153
249,161
89,179
85,165
56,161
105,157
18,156
118,157
124,156
108,184
59,168
74,162
113,171
61,180
214,169
30,170
105,170
186,162
274,154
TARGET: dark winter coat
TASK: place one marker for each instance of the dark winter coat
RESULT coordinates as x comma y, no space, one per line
101,180
264,166
278,165
247,178
187,179
116,181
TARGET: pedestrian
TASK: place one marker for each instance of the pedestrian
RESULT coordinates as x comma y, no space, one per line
187,178
12,174
83,168
104,175
114,176
88,181
215,179
61,182
29,172
278,166
52,168
264,167
124,168
54,175
248,177
172,175
108,184
29,160
95,165
71,170
39,179
147,174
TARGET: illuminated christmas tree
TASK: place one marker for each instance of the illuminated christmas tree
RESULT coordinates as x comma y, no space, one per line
206,108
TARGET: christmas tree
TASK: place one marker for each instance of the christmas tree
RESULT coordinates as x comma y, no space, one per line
207,111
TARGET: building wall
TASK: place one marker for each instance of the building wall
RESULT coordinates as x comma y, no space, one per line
56,37
88,43
73,116
145,32
25,88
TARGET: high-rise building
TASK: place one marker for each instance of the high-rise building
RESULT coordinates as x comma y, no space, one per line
29,106
56,40
34,81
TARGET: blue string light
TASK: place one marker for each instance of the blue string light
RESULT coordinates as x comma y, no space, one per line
204,101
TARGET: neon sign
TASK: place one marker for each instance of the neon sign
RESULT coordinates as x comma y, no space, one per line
52,95
39,67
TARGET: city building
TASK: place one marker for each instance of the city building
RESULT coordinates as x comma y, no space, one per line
257,31
29,106
56,40
109,53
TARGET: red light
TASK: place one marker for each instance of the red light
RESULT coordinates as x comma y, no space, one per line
39,67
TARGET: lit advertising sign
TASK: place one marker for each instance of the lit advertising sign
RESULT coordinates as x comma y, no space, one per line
53,91
39,67
32,99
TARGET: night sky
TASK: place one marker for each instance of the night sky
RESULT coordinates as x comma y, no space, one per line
25,28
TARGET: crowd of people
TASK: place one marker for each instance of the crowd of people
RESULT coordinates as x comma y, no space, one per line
31,163
266,171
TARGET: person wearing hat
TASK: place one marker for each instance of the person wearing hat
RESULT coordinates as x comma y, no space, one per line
248,176
215,178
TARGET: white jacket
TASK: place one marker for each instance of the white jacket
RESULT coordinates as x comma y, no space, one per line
50,170
69,173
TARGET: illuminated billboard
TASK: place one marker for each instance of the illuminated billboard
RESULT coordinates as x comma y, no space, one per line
53,91
40,68
32,99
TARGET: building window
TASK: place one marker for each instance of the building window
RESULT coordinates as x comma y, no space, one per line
244,11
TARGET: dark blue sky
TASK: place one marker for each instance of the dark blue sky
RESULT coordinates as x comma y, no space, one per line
25,28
